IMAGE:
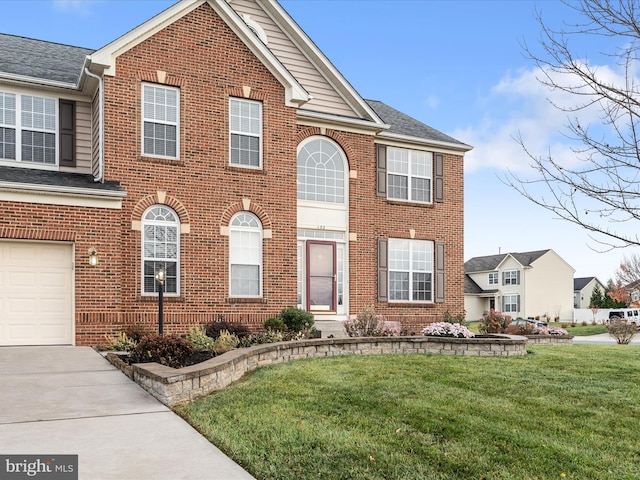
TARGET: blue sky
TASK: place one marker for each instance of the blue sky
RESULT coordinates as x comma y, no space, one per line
457,66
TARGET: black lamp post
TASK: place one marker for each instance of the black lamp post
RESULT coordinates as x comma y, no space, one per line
160,279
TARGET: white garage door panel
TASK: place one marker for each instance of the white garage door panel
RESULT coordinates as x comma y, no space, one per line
36,304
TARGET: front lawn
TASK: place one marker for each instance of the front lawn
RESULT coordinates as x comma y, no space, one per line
559,410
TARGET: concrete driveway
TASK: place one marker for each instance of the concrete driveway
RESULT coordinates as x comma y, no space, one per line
70,400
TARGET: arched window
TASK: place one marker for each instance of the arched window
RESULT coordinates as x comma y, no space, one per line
160,248
245,255
321,172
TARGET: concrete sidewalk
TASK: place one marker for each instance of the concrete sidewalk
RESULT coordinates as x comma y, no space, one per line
603,339
70,400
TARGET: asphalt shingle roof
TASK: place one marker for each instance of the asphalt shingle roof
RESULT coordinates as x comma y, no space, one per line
402,124
42,60
580,283
61,179
491,262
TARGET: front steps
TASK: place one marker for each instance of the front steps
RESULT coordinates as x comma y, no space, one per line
330,328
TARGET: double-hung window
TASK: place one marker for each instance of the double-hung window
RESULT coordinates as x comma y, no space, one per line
409,175
28,128
245,133
245,255
410,270
511,277
160,121
511,303
160,248
493,278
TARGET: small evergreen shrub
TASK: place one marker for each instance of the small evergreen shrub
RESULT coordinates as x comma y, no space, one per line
121,343
169,350
213,329
494,322
297,320
199,339
622,331
276,324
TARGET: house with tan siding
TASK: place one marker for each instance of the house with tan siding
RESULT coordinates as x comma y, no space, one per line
214,143
527,284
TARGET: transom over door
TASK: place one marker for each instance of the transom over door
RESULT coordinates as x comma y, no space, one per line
321,277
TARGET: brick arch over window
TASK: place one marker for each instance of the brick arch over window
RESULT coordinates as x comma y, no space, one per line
163,199
246,205
332,134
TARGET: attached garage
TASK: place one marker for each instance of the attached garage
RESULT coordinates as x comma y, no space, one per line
36,293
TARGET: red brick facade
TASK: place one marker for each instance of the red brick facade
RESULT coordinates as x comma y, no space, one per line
207,61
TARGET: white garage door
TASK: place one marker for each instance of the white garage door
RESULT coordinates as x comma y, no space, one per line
36,293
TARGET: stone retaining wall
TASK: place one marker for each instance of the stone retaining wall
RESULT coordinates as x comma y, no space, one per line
550,339
172,386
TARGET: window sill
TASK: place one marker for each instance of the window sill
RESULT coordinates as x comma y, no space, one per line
166,298
412,304
393,201
237,168
162,160
240,300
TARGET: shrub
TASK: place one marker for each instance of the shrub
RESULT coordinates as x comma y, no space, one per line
524,329
226,341
622,331
276,323
169,350
368,324
136,331
121,343
199,339
494,322
584,323
270,336
213,329
459,318
445,329
297,320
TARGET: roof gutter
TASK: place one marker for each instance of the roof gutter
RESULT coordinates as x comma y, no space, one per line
462,147
100,176
34,187
38,81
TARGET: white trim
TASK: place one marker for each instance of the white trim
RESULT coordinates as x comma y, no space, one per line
411,269
144,119
388,138
247,134
144,259
295,94
260,230
347,124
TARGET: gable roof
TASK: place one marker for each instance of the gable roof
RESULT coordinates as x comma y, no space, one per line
105,58
492,262
38,61
580,283
402,125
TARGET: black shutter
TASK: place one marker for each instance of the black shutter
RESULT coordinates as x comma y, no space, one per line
518,304
383,270
440,273
438,177
504,278
381,170
67,133
518,277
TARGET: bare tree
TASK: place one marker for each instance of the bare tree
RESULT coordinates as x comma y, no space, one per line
601,189
628,272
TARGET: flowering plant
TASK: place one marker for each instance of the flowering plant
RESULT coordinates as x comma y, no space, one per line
445,329
552,331
369,324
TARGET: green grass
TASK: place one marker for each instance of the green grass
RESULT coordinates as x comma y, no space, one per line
571,410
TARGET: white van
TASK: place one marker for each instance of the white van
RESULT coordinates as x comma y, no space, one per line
631,315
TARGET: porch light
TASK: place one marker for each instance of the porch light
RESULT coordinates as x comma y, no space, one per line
93,257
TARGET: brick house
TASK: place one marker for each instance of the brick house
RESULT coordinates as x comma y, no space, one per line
177,146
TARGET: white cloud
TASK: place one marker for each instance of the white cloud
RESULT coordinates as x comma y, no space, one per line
78,7
518,106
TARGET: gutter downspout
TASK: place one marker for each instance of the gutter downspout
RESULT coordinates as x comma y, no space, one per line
100,177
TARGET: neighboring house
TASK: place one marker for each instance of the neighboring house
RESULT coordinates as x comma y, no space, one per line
528,284
217,143
583,289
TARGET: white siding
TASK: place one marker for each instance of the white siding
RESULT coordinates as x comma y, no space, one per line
549,288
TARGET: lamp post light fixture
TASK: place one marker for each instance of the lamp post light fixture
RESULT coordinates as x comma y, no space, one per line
160,276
